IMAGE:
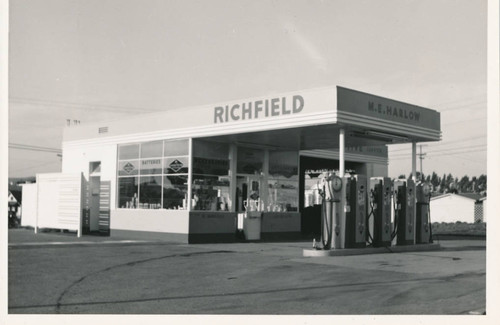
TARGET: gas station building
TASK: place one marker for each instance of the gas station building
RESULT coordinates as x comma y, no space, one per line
184,175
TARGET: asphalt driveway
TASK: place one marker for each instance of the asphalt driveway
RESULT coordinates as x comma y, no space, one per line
51,273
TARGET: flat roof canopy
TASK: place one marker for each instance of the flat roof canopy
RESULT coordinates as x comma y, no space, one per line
301,120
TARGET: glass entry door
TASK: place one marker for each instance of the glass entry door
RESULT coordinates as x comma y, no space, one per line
249,193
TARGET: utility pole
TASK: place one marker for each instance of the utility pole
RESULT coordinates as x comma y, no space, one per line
421,157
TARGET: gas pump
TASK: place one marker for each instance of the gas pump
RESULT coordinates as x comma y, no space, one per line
355,221
330,214
381,194
423,194
404,218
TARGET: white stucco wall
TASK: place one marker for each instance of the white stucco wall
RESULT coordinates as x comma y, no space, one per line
452,208
78,159
376,170
168,221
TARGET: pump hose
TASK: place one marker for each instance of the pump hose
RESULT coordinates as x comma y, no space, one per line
430,223
324,224
396,220
370,241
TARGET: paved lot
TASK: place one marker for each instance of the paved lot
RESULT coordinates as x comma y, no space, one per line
100,275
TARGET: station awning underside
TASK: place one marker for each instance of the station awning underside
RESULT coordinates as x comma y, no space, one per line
318,137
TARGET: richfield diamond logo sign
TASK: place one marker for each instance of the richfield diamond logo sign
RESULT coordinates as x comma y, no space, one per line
176,165
128,168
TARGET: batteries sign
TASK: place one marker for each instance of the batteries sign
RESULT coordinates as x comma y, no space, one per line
151,166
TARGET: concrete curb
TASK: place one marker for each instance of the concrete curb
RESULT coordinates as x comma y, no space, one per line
371,250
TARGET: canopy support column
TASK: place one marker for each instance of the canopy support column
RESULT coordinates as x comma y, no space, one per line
414,161
341,209
414,176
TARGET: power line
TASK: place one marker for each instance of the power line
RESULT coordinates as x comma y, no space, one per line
438,155
443,143
469,120
457,153
51,104
33,148
461,100
421,156
441,150
35,166
465,106
468,159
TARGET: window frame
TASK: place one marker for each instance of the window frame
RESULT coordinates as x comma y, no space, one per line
161,175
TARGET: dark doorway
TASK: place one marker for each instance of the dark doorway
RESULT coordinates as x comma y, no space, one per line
97,198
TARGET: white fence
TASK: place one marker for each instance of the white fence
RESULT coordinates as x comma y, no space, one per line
28,213
55,201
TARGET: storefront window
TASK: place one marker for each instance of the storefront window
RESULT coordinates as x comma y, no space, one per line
128,192
283,195
284,164
175,189
130,151
128,168
150,192
283,181
210,166
209,149
211,182
176,165
152,149
250,161
151,166
150,163
211,193
176,148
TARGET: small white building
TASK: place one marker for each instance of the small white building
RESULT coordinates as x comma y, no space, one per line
464,207
14,205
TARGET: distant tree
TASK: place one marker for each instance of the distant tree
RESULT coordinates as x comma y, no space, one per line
482,182
442,184
463,185
473,184
434,180
418,177
449,182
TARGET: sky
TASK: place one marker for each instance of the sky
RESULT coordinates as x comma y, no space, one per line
91,60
